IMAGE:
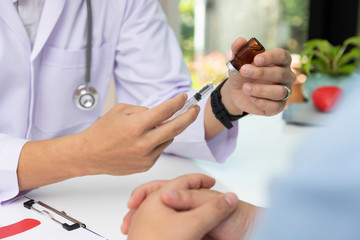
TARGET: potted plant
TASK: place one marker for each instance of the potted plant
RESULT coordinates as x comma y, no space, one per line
328,65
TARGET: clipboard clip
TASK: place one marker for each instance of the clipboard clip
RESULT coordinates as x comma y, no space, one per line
69,227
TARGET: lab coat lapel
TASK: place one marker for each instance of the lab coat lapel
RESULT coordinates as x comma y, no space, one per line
49,17
10,16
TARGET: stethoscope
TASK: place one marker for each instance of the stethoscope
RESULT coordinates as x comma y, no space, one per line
85,96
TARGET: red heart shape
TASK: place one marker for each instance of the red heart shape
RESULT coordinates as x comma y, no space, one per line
325,98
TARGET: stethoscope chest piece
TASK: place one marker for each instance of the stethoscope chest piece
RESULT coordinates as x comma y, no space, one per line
86,97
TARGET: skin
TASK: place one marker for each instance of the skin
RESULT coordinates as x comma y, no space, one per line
236,226
256,89
129,139
148,221
126,140
184,194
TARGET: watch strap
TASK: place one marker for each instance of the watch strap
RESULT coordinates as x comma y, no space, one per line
220,111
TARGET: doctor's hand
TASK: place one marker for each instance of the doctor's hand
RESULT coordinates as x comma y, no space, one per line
258,88
152,217
130,139
190,192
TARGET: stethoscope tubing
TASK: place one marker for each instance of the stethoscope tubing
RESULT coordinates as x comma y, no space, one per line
89,42
85,96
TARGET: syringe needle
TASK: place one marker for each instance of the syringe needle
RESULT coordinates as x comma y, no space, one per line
205,91
245,55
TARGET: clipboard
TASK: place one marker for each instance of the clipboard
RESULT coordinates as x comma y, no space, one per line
30,219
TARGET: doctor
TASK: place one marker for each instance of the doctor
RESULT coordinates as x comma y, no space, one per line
56,61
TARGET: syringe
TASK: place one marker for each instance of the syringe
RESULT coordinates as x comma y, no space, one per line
201,94
245,55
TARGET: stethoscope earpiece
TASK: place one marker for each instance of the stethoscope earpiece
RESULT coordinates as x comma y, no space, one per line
86,97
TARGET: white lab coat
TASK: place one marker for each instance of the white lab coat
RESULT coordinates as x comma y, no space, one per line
131,43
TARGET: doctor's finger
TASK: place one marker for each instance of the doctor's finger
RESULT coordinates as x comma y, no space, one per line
171,129
158,150
274,74
127,109
264,91
164,111
238,43
277,56
268,107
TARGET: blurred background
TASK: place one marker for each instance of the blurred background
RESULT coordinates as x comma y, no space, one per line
206,29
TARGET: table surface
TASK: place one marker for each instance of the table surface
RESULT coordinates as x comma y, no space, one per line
264,149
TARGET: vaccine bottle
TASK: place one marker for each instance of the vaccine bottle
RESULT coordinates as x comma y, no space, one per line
245,55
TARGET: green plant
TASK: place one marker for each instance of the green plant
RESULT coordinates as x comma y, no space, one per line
187,16
322,57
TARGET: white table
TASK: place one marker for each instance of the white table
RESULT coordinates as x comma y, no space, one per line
264,148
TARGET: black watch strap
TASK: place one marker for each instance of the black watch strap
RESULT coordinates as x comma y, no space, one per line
220,111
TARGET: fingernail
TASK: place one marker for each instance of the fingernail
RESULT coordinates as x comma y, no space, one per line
173,195
247,88
231,198
246,70
253,99
197,108
259,60
185,96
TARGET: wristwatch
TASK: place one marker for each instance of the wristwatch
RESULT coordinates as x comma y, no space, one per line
220,111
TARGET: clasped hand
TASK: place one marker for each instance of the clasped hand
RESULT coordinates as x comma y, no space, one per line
185,208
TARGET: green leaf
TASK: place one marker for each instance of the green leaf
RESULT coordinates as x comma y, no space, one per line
307,52
323,57
345,70
319,65
353,40
305,66
334,51
321,44
353,55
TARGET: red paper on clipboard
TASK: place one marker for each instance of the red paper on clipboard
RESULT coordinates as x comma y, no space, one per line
18,227
17,222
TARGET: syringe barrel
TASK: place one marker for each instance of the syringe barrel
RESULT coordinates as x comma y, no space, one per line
188,104
206,90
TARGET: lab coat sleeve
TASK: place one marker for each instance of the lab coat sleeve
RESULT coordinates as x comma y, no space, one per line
10,149
149,69
191,143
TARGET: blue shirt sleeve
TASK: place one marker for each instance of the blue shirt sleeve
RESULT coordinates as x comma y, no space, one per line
320,199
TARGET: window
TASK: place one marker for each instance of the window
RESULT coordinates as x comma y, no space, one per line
333,20
208,28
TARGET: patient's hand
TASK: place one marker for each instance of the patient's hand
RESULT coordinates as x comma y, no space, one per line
153,219
188,193
236,226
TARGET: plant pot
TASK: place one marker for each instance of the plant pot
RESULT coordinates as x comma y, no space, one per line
316,80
